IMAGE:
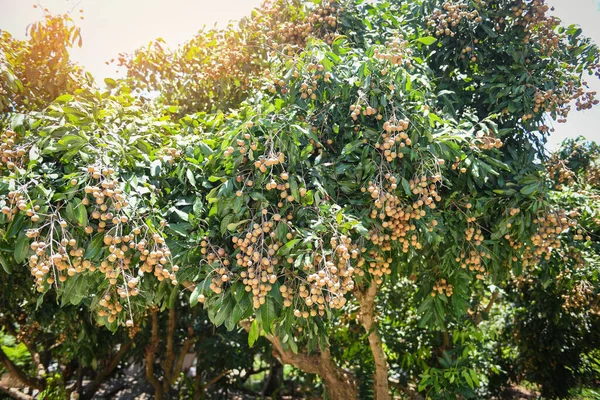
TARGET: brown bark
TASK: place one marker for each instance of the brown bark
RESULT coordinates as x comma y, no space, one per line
107,371
149,356
366,300
185,348
18,373
479,316
169,356
339,383
15,393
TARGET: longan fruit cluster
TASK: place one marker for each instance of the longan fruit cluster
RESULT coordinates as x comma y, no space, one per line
487,142
474,260
234,55
442,287
12,155
319,22
579,235
283,188
456,165
395,216
546,239
469,52
218,259
394,139
585,100
379,267
242,146
539,26
397,51
593,175
27,331
559,100
110,308
471,234
57,255
329,278
258,254
444,21
16,202
559,172
265,162
170,154
54,258
309,88
582,296
356,110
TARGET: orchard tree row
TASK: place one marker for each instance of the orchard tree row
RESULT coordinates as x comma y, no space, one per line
321,177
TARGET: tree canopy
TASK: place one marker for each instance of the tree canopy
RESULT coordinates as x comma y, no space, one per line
317,168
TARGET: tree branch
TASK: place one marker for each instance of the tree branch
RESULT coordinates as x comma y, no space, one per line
108,370
214,380
31,347
16,372
187,345
15,393
479,316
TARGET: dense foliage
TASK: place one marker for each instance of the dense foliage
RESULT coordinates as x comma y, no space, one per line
322,176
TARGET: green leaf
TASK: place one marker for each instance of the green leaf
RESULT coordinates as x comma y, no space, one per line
286,248
15,226
81,215
406,187
110,82
5,265
234,225
530,189
194,296
21,247
254,333
467,377
65,98
267,314
225,307
190,177
94,247
427,40
74,290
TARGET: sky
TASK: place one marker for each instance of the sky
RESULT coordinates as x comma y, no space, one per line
110,27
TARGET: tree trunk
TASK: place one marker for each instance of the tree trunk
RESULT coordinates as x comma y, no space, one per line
170,355
274,380
339,383
149,356
366,300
